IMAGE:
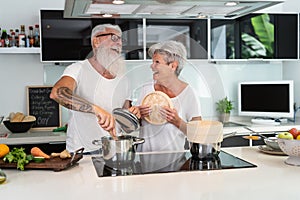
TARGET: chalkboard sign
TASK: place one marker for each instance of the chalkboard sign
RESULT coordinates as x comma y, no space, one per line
46,110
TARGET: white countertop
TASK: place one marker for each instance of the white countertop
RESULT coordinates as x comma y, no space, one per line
30,137
272,179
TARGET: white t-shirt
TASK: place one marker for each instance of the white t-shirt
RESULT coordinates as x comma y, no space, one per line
83,128
168,137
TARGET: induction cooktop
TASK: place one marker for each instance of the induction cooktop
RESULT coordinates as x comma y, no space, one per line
166,163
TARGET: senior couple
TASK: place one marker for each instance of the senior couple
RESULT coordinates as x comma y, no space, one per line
92,88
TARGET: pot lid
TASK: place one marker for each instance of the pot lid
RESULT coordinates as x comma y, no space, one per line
128,121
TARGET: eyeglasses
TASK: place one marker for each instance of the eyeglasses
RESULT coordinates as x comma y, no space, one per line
113,37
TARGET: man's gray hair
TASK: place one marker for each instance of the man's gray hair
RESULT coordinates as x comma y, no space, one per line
172,51
102,28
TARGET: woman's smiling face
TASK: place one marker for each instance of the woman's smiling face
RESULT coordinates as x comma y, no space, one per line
161,69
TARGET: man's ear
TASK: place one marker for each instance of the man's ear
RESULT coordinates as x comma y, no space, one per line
96,42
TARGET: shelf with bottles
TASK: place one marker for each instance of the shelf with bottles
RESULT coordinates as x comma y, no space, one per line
20,50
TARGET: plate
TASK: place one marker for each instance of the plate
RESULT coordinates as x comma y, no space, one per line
269,150
156,100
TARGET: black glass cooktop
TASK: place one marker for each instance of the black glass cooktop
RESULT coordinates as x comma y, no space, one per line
167,162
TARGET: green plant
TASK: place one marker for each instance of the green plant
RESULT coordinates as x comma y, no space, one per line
224,105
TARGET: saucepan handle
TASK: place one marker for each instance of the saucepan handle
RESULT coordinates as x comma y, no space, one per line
138,141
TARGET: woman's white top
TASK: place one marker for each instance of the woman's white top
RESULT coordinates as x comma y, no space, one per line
168,137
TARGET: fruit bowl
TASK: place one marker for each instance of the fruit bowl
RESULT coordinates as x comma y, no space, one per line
291,147
18,127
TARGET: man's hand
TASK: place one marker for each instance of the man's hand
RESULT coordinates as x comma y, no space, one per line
106,121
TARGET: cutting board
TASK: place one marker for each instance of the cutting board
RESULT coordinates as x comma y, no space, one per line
56,164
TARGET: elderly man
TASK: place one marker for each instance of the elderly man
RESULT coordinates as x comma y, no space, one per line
92,88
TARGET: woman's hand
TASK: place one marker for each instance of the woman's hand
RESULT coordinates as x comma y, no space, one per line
135,110
145,110
171,115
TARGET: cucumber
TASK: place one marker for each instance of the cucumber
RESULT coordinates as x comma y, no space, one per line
38,159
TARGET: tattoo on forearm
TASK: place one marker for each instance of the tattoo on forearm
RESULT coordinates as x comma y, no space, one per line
73,102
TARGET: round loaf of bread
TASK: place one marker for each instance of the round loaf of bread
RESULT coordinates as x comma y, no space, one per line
156,100
29,118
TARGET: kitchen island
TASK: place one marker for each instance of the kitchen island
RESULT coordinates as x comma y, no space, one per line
271,179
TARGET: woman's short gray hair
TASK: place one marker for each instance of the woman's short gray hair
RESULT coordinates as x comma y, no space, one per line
172,51
102,28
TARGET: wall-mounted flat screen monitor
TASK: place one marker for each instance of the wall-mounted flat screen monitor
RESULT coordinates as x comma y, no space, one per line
68,39
267,99
255,36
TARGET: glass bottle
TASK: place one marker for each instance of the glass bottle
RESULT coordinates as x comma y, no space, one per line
36,36
13,39
0,38
31,37
4,38
22,37
17,37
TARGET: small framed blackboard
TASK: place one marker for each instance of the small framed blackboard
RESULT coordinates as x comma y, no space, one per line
46,110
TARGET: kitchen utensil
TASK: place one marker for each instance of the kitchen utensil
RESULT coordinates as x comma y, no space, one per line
272,142
255,133
268,150
119,149
128,121
203,151
205,138
156,100
290,147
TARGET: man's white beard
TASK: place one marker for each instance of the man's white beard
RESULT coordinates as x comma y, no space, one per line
111,60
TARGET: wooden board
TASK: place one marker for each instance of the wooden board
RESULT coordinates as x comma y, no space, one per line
156,100
55,164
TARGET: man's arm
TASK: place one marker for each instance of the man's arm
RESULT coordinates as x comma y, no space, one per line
62,92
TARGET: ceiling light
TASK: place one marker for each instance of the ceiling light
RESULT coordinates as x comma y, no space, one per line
201,16
107,15
118,2
231,3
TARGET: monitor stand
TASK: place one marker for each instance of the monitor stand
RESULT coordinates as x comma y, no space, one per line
265,121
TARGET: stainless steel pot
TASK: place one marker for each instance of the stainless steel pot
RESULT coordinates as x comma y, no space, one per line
204,151
118,150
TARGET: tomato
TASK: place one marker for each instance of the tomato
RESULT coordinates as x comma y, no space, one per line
294,132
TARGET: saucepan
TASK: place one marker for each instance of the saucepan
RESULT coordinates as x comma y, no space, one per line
205,138
120,149
207,150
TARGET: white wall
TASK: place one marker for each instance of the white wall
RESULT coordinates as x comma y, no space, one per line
19,70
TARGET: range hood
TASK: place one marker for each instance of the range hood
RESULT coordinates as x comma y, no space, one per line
215,9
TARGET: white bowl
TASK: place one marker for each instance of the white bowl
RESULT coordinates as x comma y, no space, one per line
292,149
272,142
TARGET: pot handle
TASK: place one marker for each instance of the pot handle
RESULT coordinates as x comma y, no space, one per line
138,141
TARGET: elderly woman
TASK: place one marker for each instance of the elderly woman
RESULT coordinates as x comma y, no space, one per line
167,62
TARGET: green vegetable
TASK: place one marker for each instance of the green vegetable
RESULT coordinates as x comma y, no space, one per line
38,159
18,156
